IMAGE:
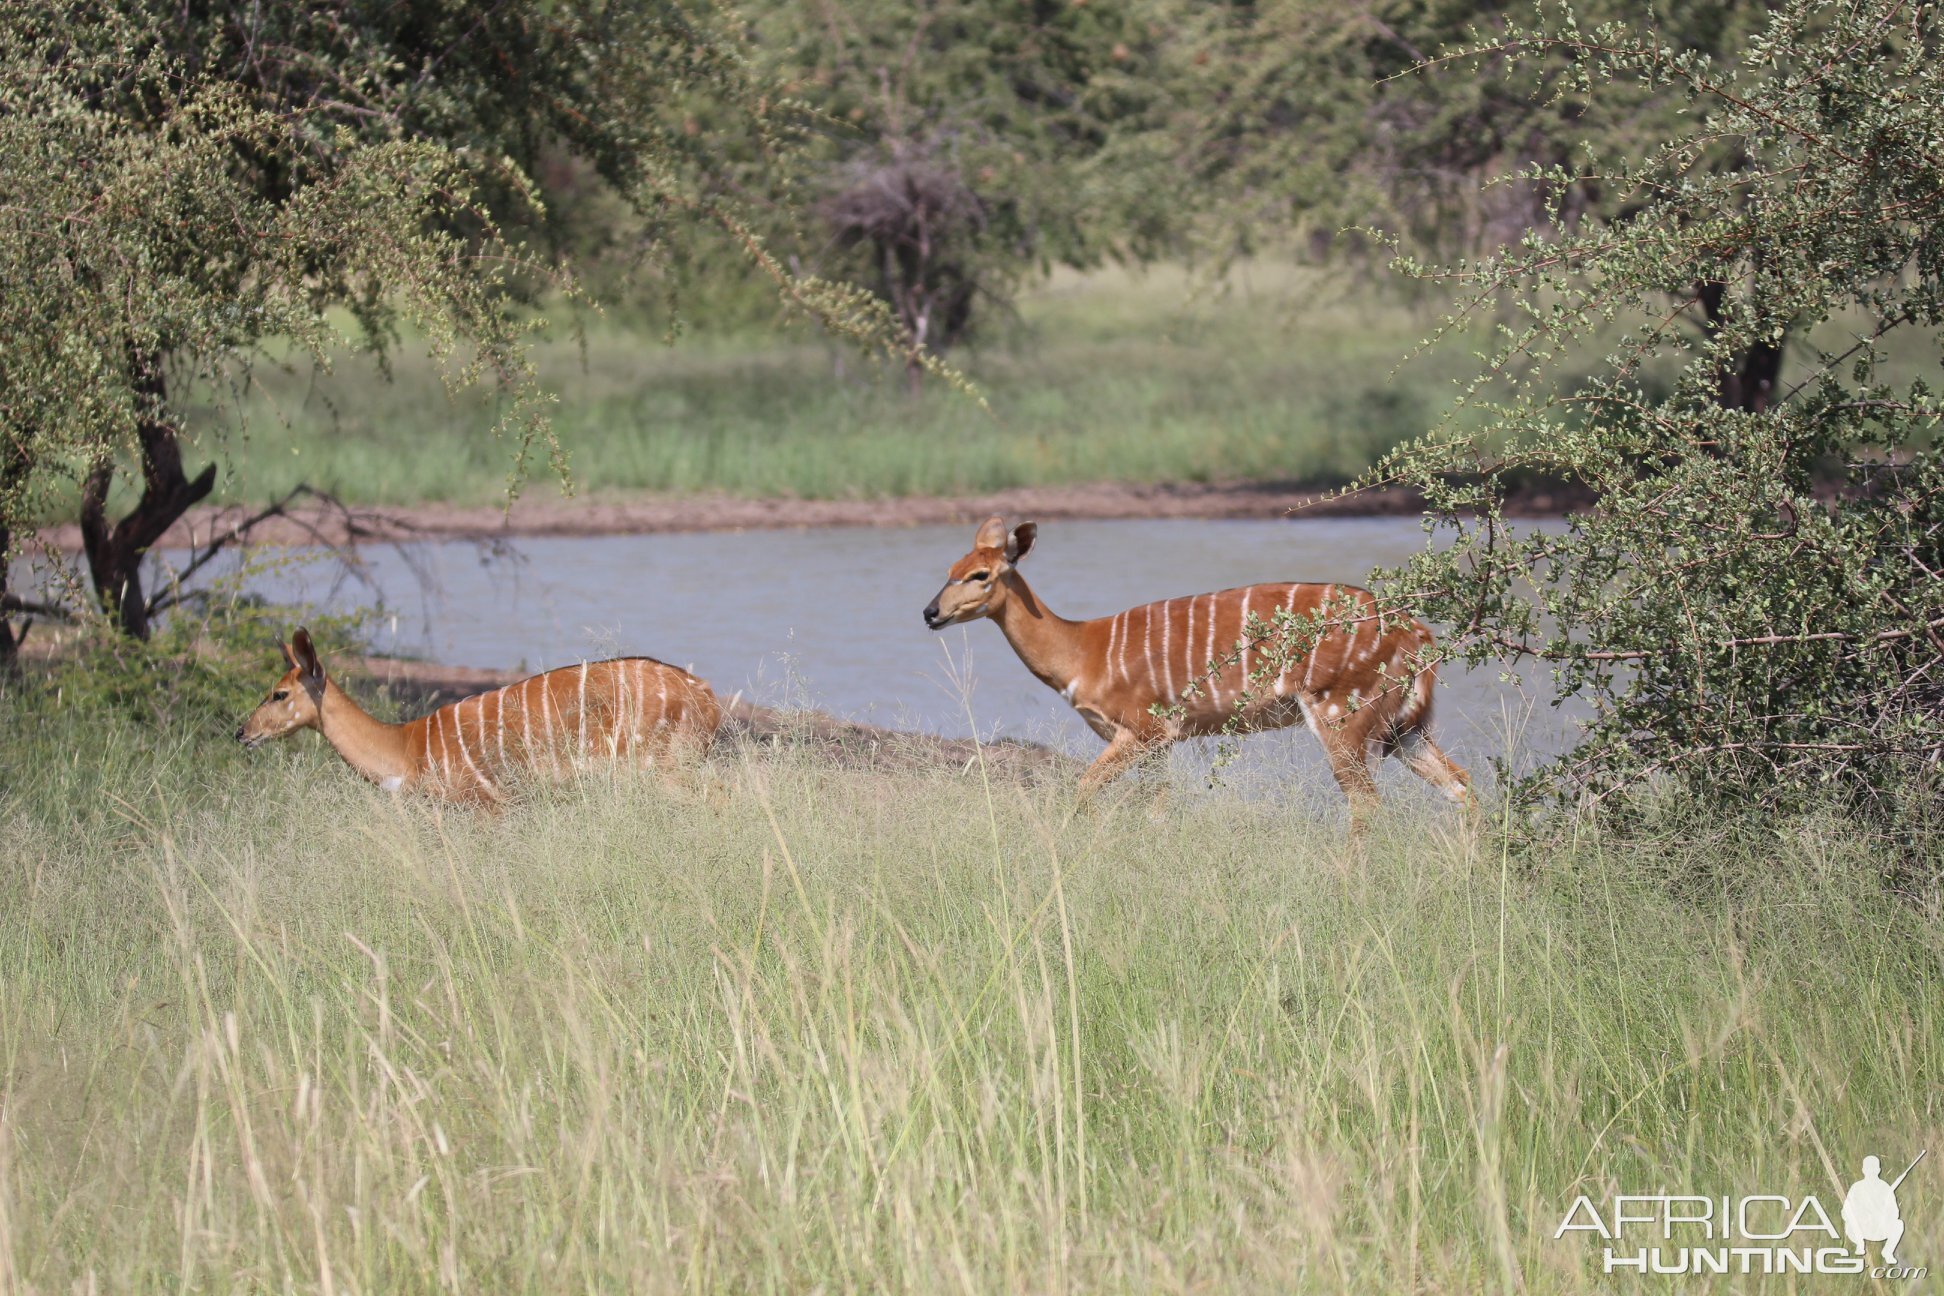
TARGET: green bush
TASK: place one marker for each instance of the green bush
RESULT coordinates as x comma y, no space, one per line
1754,609
198,675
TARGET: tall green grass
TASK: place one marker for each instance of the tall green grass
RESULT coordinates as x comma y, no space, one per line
1109,377
1282,374
858,1029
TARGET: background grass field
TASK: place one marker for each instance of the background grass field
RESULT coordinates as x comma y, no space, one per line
1283,374
863,1029
1280,373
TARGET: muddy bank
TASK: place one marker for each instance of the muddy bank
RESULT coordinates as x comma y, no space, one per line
313,523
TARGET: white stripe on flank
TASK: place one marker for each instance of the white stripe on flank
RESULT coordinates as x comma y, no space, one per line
1188,647
628,706
547,725
1147,645
617,702
1121,620
1242,633
580,716
1167,654
445,752
638,712
499,725
1214,671
624,686
526,723
1282,675
638,722
459,732
458,741
623,720
661,694
1322,611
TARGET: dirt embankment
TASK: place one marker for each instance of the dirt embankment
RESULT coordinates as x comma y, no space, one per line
316,523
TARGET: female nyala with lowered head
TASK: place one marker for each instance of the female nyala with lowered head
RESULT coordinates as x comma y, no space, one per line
1199,665
631,708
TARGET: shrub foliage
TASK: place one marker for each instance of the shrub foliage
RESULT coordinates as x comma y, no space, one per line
188,183
1754,608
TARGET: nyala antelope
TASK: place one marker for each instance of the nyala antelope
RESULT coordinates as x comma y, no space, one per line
1194,666
631,708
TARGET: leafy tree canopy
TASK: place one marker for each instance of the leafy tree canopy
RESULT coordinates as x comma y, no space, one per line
1755,607
1320,119
972,143
187,181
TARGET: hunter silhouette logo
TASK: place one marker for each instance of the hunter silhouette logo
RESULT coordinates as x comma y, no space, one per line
1870,1210
1760,1233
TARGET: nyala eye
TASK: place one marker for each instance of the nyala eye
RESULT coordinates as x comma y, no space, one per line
979,576
280,695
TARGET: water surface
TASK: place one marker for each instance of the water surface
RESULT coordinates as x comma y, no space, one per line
830,618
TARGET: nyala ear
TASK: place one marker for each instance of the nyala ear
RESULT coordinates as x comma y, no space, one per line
1020,543
290,658
304,657
992,534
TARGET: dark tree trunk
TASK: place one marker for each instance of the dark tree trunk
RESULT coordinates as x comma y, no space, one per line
1748,383
9,641
1752,386
930,294
13,473
901,282
115,552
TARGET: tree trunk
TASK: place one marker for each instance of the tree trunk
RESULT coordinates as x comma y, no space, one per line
1749,384
9,641
13,475
1752,386
115,553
